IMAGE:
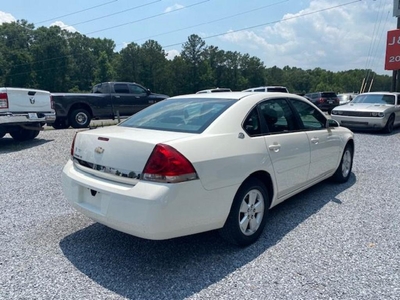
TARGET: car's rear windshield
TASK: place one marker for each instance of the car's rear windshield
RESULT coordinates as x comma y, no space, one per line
192,115
328,95
375,98
277,89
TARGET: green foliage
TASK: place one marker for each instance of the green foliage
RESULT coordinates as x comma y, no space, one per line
57,60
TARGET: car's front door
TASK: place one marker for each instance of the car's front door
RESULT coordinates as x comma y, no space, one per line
325,143
288,147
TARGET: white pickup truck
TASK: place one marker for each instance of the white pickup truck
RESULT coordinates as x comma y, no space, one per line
23,112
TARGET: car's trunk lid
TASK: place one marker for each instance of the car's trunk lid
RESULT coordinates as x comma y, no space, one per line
118,151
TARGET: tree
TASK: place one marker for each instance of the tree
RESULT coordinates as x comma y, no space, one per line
193,54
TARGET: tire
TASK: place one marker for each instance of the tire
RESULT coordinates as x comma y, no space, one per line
252,203
389,125
343,171
80,118
60,123
23,134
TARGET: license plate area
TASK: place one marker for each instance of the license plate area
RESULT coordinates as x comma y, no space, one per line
93,200
32,116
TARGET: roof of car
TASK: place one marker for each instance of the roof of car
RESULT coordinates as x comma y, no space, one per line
233,95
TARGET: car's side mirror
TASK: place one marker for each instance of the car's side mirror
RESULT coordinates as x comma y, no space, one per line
148,92
332,123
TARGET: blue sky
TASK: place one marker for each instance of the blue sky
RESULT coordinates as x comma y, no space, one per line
332,34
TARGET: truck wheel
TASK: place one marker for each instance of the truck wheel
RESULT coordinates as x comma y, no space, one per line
80,118
60,123
23,134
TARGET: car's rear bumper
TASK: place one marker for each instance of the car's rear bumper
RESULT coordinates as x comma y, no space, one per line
147,210
25,118
371,123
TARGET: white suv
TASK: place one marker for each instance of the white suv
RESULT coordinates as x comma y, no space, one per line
280,89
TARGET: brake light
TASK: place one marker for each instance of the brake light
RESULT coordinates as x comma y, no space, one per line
3,100
321,100
51,102
166,164
73,145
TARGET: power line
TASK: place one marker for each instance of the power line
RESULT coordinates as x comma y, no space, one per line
270,23
147,18
210,22
76,12
113,14
216,35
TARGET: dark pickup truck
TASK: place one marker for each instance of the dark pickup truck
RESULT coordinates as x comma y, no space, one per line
107,100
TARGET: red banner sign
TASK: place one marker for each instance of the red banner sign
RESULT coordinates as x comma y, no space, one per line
392,60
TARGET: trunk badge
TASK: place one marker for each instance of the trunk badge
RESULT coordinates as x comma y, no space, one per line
99,150
32,100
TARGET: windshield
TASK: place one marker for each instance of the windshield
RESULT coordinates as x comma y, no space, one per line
375,98
180,115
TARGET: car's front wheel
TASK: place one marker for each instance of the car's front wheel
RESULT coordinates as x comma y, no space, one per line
343,171
248,214
389,125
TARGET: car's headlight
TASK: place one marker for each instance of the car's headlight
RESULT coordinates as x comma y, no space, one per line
334,112
377,114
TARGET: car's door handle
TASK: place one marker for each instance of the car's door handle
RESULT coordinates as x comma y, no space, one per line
274,147
315,140
117,96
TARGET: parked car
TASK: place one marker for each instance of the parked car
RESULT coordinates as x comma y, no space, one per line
374,110
107,100
194,163
281,89
23,112
215,90
345,98
325,101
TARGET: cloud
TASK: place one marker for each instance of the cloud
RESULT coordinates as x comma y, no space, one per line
63,26
173,7
171,54
342,38
6,18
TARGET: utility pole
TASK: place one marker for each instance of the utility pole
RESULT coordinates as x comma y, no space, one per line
395,77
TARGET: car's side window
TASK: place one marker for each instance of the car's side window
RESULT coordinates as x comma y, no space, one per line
278,115
311,118
121,88
137,90
252,124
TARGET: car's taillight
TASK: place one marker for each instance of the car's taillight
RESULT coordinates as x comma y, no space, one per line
73,145
51,102
321,100
166,164
3,100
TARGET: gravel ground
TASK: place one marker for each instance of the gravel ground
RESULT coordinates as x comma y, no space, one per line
329,242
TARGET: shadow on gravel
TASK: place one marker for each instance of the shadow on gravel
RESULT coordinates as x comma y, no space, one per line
8,144
178,268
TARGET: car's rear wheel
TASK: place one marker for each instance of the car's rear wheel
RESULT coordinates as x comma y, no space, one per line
248,214
80,118
343,171
389,125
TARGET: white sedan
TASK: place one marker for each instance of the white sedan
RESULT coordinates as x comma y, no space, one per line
195,163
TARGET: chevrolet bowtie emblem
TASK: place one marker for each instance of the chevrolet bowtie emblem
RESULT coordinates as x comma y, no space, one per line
99,150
